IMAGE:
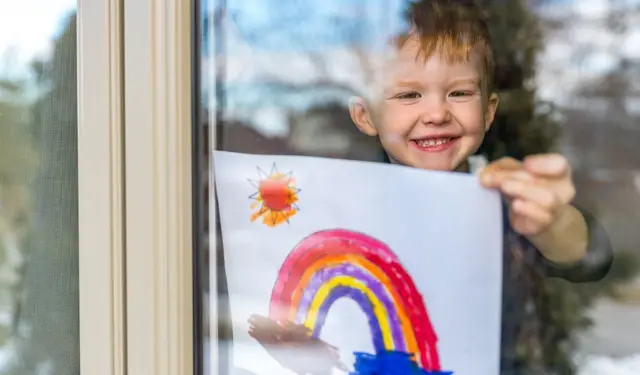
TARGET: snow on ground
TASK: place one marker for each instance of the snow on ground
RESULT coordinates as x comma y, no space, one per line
603,365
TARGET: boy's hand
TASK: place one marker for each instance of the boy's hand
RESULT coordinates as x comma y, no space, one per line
537,189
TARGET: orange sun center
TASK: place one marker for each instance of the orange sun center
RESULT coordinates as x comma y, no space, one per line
275,200
275,194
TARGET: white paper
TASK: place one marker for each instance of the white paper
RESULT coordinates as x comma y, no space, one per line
444,229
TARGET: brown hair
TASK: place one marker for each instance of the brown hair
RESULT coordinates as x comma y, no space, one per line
451,27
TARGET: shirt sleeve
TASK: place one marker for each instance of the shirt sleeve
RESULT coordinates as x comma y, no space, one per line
592,267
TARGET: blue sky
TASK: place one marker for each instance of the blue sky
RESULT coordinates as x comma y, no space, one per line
309,24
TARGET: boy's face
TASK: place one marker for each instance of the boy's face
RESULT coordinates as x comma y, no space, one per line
432,114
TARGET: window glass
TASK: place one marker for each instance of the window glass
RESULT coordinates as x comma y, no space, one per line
275,78
38,188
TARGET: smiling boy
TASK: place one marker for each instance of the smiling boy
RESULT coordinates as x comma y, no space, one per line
432,110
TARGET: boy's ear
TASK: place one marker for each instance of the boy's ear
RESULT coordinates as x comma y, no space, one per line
361,116
490,112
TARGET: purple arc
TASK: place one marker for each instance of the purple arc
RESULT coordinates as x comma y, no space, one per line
325,275
365,305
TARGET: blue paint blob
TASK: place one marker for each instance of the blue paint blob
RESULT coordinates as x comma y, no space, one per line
389,363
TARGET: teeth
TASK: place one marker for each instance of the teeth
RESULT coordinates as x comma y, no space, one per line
433,142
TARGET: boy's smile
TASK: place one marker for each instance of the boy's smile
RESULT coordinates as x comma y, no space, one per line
434,113
434,143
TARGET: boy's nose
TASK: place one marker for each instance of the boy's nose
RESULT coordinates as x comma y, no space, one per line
435,112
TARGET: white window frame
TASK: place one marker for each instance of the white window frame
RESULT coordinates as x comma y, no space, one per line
134,160
100,188
158,186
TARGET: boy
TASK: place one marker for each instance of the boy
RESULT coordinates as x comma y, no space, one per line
432,113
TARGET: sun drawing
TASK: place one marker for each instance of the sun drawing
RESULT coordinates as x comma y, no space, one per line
276,197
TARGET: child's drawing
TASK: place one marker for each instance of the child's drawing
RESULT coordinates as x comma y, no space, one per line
387,270
334,264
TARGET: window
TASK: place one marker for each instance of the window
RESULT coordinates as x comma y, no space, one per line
39,295
275,79
60,194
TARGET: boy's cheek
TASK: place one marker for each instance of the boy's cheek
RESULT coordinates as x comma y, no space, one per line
392,141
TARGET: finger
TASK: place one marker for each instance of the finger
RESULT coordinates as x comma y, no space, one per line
496,177
548,165
492,175
506,162
503,164
561,191
531,211
567,192
541,195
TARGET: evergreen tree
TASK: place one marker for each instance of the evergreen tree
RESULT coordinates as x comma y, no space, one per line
523,124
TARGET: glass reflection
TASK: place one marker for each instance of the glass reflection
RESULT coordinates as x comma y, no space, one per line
38,188
278,78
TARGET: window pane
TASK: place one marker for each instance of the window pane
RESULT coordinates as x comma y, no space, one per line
38,188
276,79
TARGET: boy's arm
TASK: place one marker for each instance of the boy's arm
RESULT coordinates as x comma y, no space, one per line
576,248
565,241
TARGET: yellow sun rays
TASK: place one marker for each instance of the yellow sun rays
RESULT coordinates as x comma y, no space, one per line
275,200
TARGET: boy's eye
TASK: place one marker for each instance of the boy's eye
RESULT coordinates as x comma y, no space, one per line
461,94
408,95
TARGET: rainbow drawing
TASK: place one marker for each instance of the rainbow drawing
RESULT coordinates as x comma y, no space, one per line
333,264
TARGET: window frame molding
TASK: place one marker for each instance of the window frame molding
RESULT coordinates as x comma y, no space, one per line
158,186
101,188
